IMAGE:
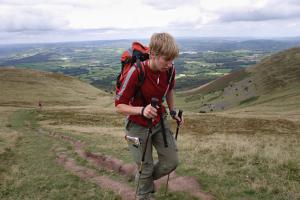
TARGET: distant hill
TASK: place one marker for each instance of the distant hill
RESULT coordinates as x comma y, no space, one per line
271,86
25,87
278,71
232,44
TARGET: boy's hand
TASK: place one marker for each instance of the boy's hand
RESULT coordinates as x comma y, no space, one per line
174,115
179,121
150,112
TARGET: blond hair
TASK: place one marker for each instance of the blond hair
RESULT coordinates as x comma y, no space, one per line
163,44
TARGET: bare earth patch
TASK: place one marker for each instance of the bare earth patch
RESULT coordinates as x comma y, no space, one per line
87,174
176,183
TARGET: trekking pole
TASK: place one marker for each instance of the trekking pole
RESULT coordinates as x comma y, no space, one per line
154,102
177,130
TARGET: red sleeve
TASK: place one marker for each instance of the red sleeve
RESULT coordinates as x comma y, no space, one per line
127,89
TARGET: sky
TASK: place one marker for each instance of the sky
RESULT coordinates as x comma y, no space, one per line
35,21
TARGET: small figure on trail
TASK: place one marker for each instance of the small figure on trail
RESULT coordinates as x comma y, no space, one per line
143,119
40,105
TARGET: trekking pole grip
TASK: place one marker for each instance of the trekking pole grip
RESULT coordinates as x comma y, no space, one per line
178,122
180,114
154,102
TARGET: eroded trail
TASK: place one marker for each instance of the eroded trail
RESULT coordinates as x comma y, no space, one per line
88,174
176,183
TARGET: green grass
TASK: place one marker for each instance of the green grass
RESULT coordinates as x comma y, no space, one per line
111,144
95,141
71,117
239,166
232,158
249,100
30,170
50,88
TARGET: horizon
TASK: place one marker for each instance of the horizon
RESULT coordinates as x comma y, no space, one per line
227,38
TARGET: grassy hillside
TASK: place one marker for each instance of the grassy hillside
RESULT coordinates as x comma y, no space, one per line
28,87
44,152
232,158
278,71
218,84
270,87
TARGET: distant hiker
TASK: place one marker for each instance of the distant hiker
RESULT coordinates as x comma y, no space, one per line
40,105
159,79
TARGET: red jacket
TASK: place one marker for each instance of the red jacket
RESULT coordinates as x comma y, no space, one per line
155,85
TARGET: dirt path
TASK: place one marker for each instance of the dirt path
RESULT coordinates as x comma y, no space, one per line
176,183
88,174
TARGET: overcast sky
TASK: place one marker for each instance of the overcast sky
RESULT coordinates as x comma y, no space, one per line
29,21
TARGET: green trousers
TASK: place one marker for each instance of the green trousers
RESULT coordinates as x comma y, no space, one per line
167,156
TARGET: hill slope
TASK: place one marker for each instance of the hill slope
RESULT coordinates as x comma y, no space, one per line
21,87
270,87
278,71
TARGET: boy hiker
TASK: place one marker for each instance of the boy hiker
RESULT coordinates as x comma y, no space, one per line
158,83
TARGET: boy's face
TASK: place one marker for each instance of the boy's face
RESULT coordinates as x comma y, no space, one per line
162,64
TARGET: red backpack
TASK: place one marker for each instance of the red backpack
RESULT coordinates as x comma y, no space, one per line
136,54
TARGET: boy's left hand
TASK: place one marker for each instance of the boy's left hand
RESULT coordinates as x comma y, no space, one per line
178,120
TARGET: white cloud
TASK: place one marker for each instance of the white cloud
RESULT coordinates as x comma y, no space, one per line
169,4
269,10
25,17
138,18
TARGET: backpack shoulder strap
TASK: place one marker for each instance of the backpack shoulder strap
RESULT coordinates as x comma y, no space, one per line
171,76
141,78
141,72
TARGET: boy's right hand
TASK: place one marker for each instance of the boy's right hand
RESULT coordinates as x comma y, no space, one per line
150,112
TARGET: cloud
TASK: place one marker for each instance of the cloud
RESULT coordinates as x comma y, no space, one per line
30,18
17,15
258,15
168,4
262,11
113,19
